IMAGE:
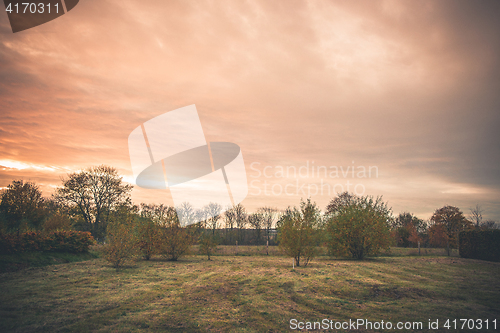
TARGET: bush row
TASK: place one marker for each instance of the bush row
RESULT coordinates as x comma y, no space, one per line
58,241
480,244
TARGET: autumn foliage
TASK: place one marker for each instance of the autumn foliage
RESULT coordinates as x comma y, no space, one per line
120,243
57,241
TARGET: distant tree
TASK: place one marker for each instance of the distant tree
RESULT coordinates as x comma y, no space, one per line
453,221
240,216
148,229
187,215
230,223
96,192
490,224
208,240
299,232
175,239
408,229
359,227
22,206
270,216
212,212
256,221
476,216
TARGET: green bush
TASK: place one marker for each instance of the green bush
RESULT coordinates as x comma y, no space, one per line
480,244
57,241
359,227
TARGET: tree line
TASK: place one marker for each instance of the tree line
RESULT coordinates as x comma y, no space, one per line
97,200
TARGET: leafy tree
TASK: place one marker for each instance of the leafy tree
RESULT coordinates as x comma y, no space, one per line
299,232
148,229
57,217
22,206
148,236
407,229
338,203
359,227
175,240
453,221
208,243
437,235
95,192
121,241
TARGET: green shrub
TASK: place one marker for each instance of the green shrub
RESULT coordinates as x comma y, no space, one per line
299,232
359,227
207,243
480,244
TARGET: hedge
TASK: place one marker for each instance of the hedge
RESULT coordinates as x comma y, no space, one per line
57,241
480,244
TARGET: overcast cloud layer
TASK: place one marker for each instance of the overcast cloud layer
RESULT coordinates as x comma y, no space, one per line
409,87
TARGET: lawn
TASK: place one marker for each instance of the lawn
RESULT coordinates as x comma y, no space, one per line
246,293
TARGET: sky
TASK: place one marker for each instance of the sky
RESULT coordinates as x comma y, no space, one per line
407,90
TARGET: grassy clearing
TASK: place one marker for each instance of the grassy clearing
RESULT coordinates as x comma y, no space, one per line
244,293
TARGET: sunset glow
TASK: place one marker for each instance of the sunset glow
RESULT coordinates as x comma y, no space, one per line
410,88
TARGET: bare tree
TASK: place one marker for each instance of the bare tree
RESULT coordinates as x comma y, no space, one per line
476,216
96,192
270,217
240,214
212,214
256,220
230,222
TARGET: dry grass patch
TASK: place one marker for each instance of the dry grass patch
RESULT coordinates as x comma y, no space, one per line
243,293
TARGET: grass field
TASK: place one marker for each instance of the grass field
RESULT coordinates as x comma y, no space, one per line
246,293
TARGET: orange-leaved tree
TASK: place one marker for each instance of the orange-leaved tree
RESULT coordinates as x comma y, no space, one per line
452,220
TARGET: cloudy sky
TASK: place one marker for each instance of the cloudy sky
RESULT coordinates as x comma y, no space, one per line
410,89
